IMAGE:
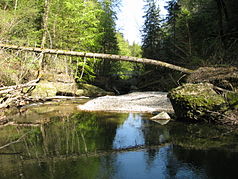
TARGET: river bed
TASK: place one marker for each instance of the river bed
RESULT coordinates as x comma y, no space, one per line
68,143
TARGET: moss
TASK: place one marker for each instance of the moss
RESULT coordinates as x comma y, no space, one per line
50,89
195,101
93,91
57,77
232,99
198,95
44,89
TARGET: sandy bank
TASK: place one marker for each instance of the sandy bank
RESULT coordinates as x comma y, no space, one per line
143,102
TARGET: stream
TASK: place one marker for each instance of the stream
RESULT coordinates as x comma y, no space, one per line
68,143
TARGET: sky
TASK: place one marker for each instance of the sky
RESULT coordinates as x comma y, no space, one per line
130,19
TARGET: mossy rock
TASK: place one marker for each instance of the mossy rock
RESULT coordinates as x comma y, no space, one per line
93,91
197,102
232,99
54,77
50,89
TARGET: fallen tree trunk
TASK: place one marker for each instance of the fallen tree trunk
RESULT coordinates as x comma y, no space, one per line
99,56
7,89
13,95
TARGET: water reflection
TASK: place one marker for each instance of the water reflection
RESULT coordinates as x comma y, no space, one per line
130,133
165,165
75,144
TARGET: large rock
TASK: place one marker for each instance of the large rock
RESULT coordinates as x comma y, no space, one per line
50,89
53,84
199,102
93,91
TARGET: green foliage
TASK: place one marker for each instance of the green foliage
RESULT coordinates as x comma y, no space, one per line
20,23
74,25
124,47
17,68
71,24
195,33
84,71
202,31
108,39
152,31
136,50
126,70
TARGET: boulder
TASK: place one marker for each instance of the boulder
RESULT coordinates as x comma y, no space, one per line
161,116
59,84
197,102
49,89
93,91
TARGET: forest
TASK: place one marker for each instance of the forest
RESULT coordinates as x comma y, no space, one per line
73,106
87,26
194,33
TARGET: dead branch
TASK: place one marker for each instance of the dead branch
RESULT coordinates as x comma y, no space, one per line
14,94
7,89
14,142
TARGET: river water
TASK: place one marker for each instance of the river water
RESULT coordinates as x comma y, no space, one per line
67,143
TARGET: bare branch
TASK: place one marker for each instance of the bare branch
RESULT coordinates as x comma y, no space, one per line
14,142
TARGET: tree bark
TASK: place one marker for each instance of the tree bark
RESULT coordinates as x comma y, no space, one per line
45,29
45,22
99,56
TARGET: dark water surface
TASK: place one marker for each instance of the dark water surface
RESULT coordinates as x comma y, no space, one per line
74,144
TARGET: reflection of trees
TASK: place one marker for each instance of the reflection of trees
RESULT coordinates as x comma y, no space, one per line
216,163
198,149
77,134
57,144
202,136
154,134
201,149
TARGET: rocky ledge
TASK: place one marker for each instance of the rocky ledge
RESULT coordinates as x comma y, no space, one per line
143,102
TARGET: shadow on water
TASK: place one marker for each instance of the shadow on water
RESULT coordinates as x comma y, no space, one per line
73,144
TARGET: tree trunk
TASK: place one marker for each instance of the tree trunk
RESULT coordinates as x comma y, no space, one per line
45,29
45,22
99,56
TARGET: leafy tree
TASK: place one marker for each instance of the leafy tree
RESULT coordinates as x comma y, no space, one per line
123,68
135,50
20,21
74,24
